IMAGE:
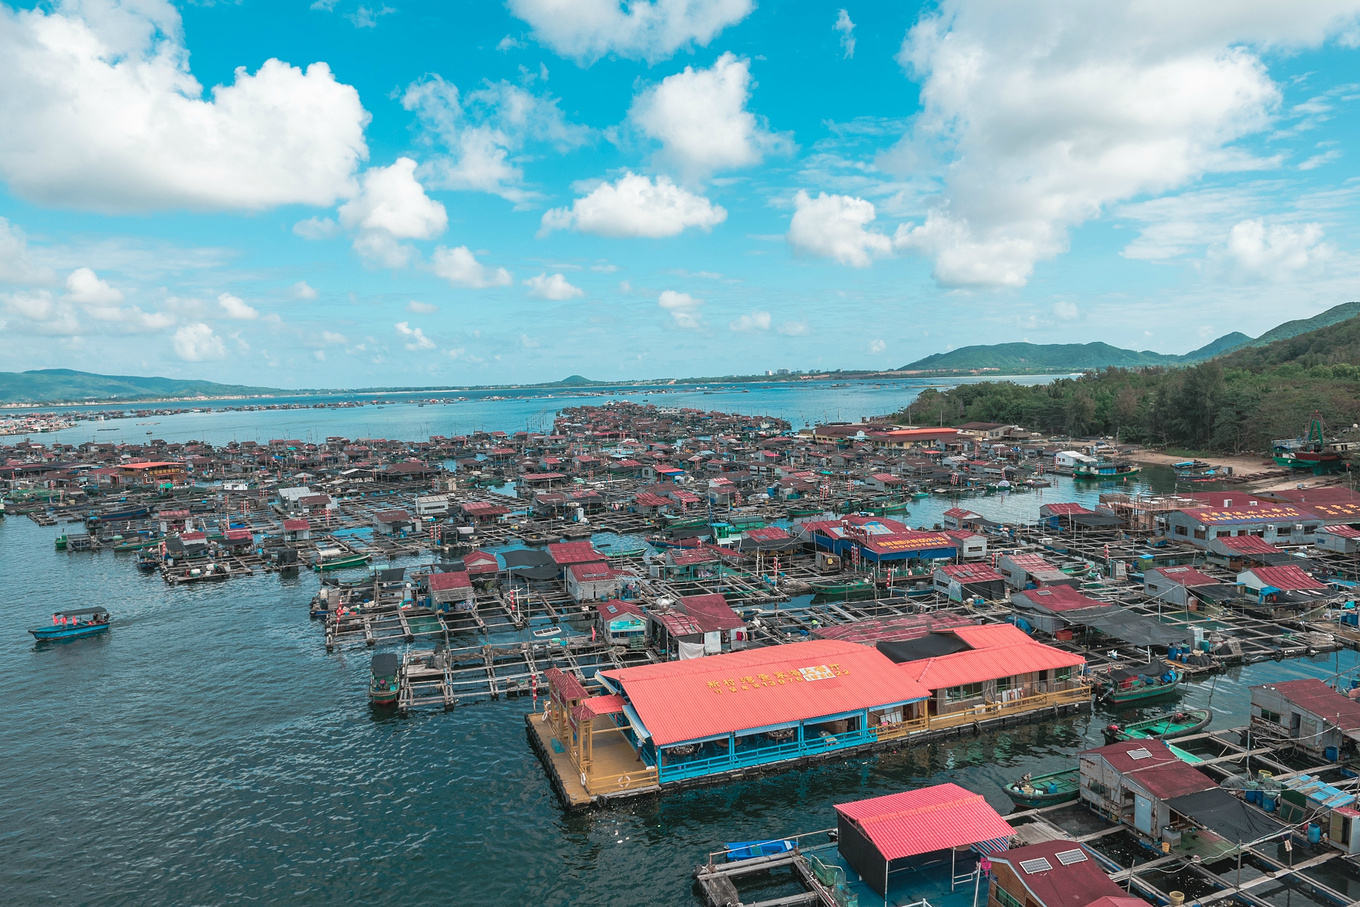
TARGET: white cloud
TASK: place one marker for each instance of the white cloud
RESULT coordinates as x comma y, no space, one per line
683,308
484,132
197,343
509,43
415,337
1040,116
833,226
236,308
847,32
1278,252
301,290
16,262
553,287
700,117
101,112
793,328
392,206
876,347
421,308
331,337
367,17
86,287
319,355
753,321
636,206
1317,160
1066,311
651,30
316,228
461,269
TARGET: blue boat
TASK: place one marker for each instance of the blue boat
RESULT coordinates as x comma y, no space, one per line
73,624
748,850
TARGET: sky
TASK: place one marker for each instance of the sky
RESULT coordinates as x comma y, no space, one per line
349,193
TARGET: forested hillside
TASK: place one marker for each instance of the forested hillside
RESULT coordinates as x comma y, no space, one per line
1233,403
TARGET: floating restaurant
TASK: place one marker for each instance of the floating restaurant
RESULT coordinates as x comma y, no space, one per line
720,716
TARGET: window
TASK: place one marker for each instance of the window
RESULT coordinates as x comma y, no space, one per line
1062,674
1004,683
1271,717
1005,898
1199,533
967,691
1180,530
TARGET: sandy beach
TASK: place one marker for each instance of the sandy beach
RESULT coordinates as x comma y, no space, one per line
1261,473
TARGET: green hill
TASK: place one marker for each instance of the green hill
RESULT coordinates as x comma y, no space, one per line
1064,356
1236,402
63,385
1075,357
1334,315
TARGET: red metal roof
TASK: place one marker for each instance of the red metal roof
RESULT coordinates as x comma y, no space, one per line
295,525
564,553
1070,883
1341,531
971,573
711,612
1246,544
1263,513
978,665
767,534
720,694
1063,509
1117,754
1287,578
599,705
916,822
593,572
1185,576
1321,700
1056,599
478,562
565,685
445,582
989,636
1171,779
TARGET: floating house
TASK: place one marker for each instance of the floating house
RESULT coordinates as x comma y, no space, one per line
878,540
1339,538
1052,608
1174,585
452,589
1026,570
1132,782
908,832
1053,874
622,623
594,582
1309,713
972,545
1281,524
960,581
1285,587
695,626
993,671
393,522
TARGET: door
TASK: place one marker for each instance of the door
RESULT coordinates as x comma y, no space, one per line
1142,814
1295,724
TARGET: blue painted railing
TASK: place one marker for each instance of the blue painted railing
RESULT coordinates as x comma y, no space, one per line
764,755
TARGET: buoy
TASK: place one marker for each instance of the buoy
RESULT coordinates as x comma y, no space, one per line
1177,898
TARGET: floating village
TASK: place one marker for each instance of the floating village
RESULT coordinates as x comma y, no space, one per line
683,598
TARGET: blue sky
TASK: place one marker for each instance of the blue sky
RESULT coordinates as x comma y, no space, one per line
344,193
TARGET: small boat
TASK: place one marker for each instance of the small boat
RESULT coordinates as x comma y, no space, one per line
338,559
853,587
148,561
1138,683
73,624
547,632
1168,726
383,685
1195,471
1104,469
1034,792
748,850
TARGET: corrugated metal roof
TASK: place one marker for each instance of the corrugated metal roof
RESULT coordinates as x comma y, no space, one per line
1067,882
564,553
1264,513
1286,578
914,822
978,665
1246,544
720,694
444,582
1320,699
1056,599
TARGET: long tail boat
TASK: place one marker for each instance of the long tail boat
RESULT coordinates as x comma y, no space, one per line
1168,726
1045,790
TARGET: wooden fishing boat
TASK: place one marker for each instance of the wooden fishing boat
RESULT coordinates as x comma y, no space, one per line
837,589
336,559
383,685
1045,790
1104,469
148,561
1124,685
73,625
1168,726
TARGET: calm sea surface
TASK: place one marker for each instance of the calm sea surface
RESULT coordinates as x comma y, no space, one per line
208,751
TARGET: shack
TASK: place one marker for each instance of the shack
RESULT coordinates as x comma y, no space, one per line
1285,587
1339,538
696,625
593,582
1175,584
1131,781
1052,608
621,623
1310,714
960,581
912,830
1053,874
1026,570
452,588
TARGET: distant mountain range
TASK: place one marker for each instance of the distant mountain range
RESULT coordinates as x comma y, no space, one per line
63,385
1048,357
